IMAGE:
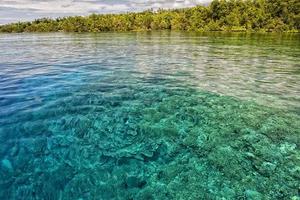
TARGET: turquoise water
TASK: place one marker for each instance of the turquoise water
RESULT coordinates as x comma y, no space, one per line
161,115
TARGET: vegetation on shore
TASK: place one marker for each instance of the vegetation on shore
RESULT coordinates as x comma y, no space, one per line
219,15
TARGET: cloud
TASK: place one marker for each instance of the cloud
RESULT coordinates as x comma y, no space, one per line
27,10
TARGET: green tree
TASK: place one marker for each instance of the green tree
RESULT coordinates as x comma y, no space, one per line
228,15
179,21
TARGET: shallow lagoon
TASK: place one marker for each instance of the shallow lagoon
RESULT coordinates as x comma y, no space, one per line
161,115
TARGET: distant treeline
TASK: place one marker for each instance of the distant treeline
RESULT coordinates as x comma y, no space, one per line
219,15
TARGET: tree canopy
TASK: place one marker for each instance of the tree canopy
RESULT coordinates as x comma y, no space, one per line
219,15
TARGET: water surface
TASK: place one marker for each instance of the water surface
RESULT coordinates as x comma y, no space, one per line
161,115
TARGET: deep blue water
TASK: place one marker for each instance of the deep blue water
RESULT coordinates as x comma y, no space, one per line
161,115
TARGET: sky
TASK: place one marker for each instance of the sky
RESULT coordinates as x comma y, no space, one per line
28,10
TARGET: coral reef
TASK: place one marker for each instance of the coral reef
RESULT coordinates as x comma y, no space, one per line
151,143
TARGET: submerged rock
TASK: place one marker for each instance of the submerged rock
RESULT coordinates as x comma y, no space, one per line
6,164
267,168
253,195
134,181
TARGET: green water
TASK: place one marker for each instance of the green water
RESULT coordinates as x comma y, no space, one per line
161,115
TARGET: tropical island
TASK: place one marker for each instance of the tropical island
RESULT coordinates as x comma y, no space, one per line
219,15
150,104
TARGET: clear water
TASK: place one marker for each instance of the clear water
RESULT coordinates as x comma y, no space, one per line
161,115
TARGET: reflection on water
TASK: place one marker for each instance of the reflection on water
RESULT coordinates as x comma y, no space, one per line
260,67
161,115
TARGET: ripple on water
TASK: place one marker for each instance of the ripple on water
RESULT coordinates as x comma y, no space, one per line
161,115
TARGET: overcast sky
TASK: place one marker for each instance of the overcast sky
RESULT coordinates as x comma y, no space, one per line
27,10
